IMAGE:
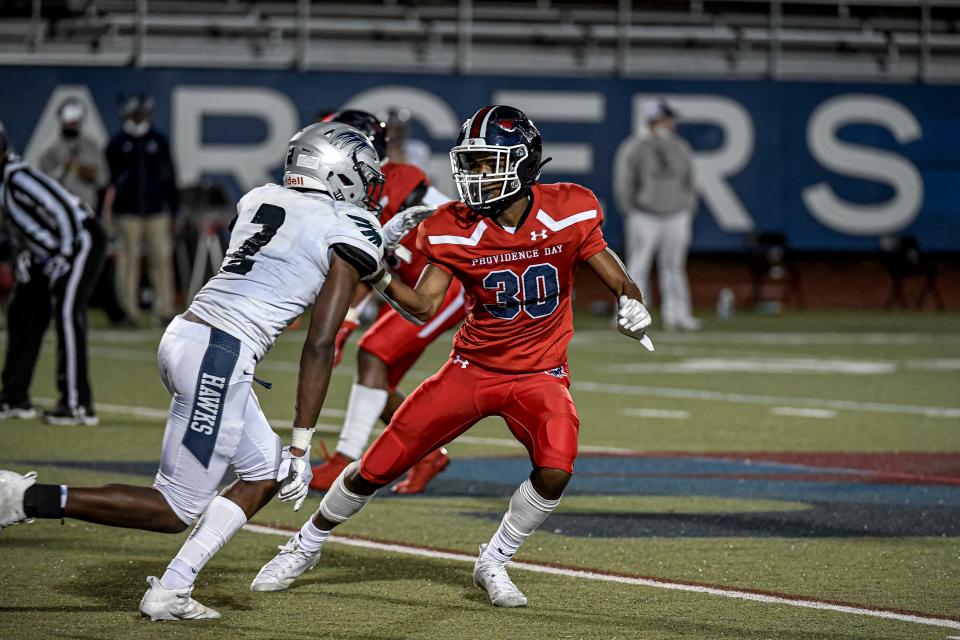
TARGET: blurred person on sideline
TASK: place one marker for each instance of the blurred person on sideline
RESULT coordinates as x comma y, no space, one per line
59,253
143,200
75,160
654,188
78,163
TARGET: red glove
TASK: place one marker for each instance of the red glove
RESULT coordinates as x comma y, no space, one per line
343,335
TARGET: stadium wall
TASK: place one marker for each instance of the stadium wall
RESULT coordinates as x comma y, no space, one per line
831,165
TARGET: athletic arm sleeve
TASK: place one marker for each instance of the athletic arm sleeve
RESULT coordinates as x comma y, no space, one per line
356,238
360,260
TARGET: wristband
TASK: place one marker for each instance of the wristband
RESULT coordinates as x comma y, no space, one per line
382,282
353,315
301,438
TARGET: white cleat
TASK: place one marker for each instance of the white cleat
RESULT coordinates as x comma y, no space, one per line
159,603
286,566
492,576
12,487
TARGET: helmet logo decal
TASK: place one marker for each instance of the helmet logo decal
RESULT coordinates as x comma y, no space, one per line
351,141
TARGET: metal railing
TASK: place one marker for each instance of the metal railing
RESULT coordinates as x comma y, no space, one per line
616,37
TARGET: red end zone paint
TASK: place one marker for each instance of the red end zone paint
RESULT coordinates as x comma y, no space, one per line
942,468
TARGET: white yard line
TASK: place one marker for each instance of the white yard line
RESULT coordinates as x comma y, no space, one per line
774,338
586,386
935,364
656,413
155,415
767,365
637,581
798,412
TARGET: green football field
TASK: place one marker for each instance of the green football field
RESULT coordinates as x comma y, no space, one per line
794,477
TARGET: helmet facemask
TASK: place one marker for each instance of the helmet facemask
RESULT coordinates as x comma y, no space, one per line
373,183
487,176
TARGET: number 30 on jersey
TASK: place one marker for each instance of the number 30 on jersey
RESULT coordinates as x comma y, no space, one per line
536,291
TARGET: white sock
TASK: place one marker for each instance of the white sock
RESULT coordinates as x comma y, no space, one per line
310,537
363,410
528,509
220,521
339,503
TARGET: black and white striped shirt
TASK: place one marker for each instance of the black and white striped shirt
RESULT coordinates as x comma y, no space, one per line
47,218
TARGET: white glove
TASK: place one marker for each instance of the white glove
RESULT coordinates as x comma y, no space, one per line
294,476
55,268
401,224
633,320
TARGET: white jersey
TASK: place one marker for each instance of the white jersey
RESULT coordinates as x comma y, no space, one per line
278,260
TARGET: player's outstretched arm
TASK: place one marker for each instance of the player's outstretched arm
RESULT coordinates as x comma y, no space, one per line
613,274
632,317
316,359
316,364
421,302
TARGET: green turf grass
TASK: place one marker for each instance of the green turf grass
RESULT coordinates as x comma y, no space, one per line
85,581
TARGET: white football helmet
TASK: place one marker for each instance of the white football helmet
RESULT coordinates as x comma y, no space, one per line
337,159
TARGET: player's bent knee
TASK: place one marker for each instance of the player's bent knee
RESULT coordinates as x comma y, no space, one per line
173,524
391,455
356,483
185,506
550,482
340,502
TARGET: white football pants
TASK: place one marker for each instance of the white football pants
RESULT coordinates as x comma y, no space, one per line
215,418
667,236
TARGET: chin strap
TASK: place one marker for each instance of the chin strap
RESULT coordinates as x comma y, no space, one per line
541,167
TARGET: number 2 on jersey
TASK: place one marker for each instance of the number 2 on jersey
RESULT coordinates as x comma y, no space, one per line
271,217
540,285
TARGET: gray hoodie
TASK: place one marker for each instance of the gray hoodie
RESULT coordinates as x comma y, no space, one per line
654,174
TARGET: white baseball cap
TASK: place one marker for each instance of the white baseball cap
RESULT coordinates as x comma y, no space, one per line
658,109
72,111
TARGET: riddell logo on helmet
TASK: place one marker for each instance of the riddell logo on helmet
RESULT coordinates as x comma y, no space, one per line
293,181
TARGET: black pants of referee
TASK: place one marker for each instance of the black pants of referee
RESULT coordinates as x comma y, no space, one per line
33,304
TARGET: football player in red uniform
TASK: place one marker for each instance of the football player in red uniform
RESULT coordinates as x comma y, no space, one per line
515,245
392,345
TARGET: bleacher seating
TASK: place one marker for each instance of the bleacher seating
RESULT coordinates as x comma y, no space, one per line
880,39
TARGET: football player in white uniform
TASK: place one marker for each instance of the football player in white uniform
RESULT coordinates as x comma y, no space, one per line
308,242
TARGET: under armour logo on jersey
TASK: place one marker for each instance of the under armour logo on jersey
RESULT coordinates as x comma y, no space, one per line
367,229
541,235
460,361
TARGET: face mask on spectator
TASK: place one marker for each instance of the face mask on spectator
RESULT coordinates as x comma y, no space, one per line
136,129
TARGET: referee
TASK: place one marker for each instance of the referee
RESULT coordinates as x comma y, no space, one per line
59,253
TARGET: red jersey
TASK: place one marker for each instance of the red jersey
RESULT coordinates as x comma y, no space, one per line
400,180
518,285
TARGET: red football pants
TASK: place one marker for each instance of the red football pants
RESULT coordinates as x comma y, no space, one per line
537,408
